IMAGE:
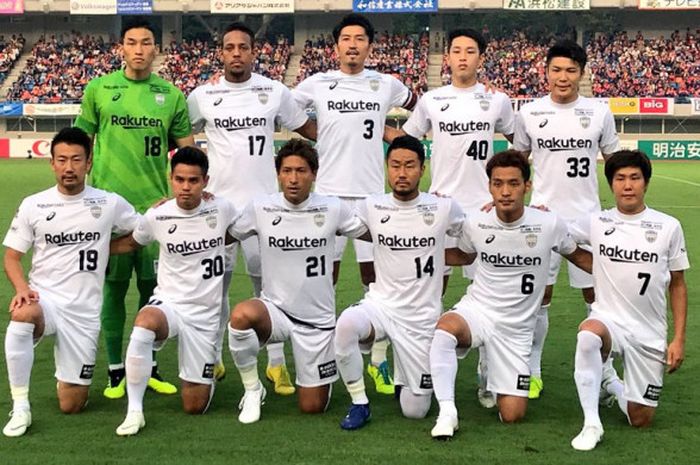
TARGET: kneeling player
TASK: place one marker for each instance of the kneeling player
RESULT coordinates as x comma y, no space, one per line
514,245
403,304
187,299
638,253
69,228
297,231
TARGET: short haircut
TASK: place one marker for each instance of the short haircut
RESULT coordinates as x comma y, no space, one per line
509,159
73,136
353,19
192,156
567,49
628,159
138,22
473,34
409,143
300,148
239,26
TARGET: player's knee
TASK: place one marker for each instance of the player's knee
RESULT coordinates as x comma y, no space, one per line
149,318
313,405
195,405
640,418
413,406
243,316
72,405
510,416
27,313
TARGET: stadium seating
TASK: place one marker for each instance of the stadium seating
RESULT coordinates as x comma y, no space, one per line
10,50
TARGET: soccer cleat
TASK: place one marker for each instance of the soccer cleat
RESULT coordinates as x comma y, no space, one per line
20,420
445,427
588,438
383,382
536,387
486,398
250,405
357,417
280,377
219,371
115,392
132,424
159,385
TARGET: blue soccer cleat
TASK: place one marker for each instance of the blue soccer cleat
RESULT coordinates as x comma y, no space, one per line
357,417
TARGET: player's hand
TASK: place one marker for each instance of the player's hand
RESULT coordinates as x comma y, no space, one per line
24,297
160,202
487,207
544,208
675,355
208,196
438,194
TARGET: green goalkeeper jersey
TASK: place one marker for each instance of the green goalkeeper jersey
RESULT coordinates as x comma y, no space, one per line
132,122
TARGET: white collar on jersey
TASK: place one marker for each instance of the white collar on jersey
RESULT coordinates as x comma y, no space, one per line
291,206
626,217
563,106
407,203
70,198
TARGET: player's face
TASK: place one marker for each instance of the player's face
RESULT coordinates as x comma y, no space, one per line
352,48
295,179
464,60
70,164
139,50
404,171
629,187
563,78
238,55
508,189
188,183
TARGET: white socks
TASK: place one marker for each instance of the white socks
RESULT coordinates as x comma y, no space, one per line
443,368
588,372
275,354
540,334
379,350
19,355
244,346
352,327
139,363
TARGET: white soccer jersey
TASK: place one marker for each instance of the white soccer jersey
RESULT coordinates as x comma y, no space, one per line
633,256
409,254
70,239
191,258
239,121
351,113
463,123
564,140
296,251
512,264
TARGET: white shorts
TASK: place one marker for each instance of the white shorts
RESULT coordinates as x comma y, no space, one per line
75,348
364,251
468,271
411,349
578,279
507,355
643,366
251,255
196,347
312,347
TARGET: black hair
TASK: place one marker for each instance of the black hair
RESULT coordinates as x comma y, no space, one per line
353,19
409,143
138,22
568,49
192,156
473,34
300,148
73,136
628,158
509,159
239,26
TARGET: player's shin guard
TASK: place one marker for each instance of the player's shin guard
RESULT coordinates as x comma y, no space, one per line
19,355
443,369
275,354
540,334
352,327
139,361
244,347
113,317
588,372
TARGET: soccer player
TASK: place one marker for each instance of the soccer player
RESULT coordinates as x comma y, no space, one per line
297,231
351,105
408,229
513,244
187,300
564,132
238,115
68,227
132,114
638,255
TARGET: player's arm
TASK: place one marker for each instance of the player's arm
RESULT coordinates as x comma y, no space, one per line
678,295
367,237
582,259
187,141
392,133
15,274
124,244
457,257
509,138
308,130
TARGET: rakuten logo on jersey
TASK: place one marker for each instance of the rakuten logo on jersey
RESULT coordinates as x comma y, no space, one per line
62,239
557,145
236,124
287,243
136,122
500,260
405,243
618,254
186,248
456,128
345,106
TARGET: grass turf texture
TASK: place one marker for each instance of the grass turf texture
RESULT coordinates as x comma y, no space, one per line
285,436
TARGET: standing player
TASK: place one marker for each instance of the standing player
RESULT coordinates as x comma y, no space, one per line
297,232
185,304
132,113
351,105
69,227
514,246
408,229
638,254
563,132
238,114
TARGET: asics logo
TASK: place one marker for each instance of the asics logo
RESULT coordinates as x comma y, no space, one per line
276,220
116,96
218,101
385,219
333,85
172,229
544,123
51,216
445,107
490,239
609,231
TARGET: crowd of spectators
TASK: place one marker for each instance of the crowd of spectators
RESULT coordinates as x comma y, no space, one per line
10,50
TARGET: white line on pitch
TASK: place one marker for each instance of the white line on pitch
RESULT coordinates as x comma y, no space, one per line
677,180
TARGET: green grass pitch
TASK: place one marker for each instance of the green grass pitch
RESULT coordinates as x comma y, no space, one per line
285,436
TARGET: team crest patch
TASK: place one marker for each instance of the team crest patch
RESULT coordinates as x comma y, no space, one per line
523,383
585,121
263,98
87,371
319,219
211,221
96,211
327,370
429,218
531,240
160,99
651,236
374,85
484,104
